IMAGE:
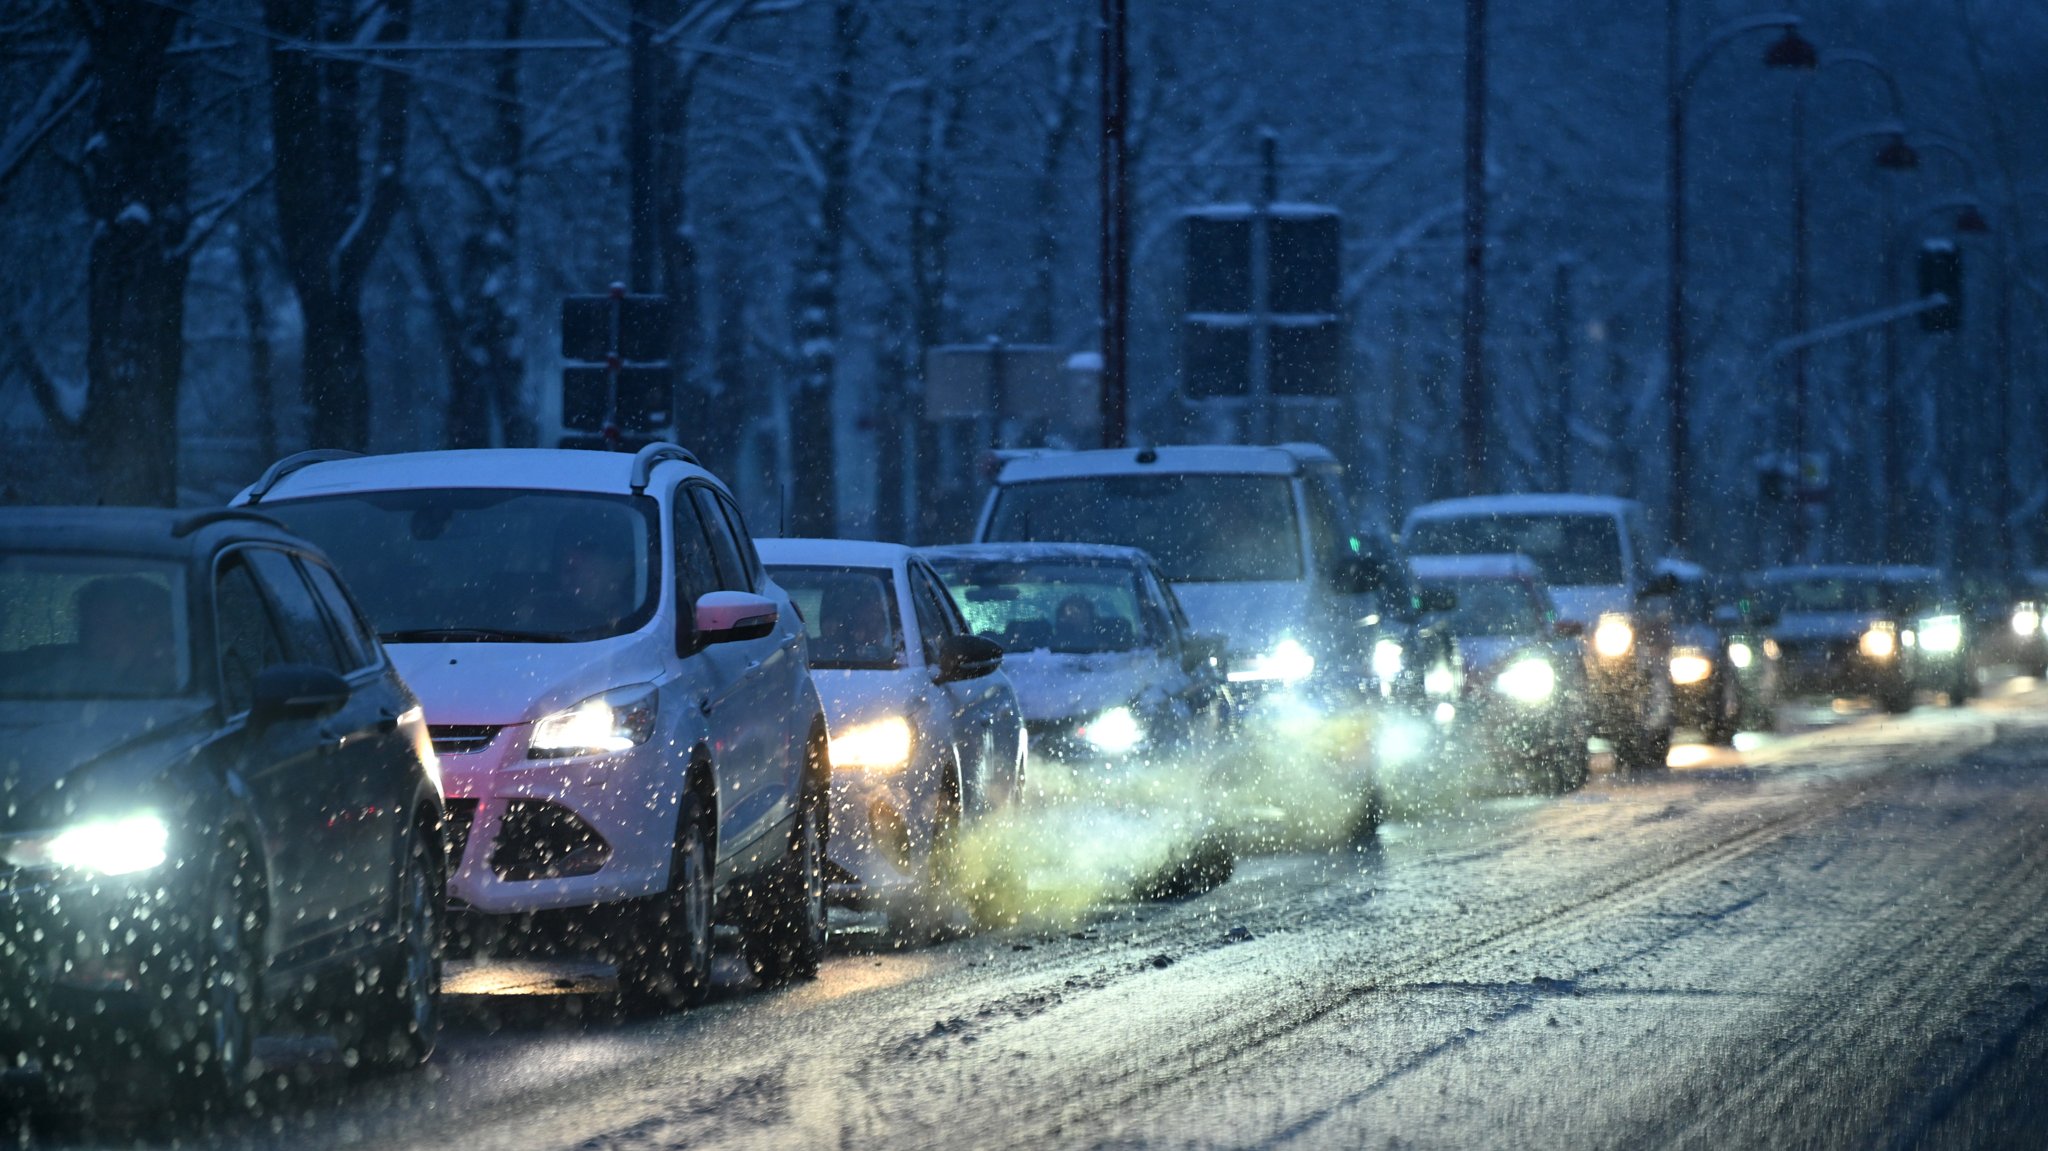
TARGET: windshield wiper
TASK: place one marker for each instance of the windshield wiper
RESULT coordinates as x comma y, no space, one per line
469,635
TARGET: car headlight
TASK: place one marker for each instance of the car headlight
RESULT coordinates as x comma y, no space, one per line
1387,660
1741,655
1613,637
1288,662
1690,666
1114,731
883,745
1529,680
1942,634
1880,642
606,724
1440,680
102,847
2026,620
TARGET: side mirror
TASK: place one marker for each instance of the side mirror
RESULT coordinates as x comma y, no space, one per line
732,616
296,691
1203,650
967,657
1657,586
1569,628
1436,600
1358,575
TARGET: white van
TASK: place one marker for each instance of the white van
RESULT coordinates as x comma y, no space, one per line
1255,540
619,694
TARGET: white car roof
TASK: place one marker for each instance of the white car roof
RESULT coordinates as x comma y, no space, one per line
832,553
1223,459
1480,567
1685,570
1024,553
1531,503
541,469
1885,573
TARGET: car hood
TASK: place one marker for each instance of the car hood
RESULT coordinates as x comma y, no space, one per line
1251,617
853,696
1486,655
88,749
1796,626
1584,603
1057,685
504,683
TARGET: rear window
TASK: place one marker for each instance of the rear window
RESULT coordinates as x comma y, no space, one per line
849,615
1201,528
1568,549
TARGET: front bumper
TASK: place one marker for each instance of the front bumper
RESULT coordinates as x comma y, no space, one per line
545,835
1837,668
883,833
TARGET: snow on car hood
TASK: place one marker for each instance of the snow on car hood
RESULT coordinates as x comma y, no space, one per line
1812,625
1058,685
1486,655
853,696
1251,617
1584,603
505,683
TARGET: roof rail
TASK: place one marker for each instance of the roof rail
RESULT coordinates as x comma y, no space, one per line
197,520
276,473
645,459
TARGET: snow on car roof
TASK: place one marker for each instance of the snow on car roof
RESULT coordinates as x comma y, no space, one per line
547,469
1886,573
1685,570
1527,503
1480,567
831,553
1024,553
1215,458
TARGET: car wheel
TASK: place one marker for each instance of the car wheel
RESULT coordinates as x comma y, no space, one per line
787,942
668,965
212,1056
1896,699
401,1012
929,909
1642,750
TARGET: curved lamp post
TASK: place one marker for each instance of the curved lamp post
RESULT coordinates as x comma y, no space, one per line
1790,51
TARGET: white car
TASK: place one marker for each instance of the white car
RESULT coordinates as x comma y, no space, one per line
618,693
926,735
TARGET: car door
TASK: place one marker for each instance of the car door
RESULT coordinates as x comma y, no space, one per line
389,771
282,767
746,721
354,749
788,666
974,705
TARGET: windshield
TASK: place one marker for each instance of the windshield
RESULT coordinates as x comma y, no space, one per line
1833,594
1201,528
1569,549
1055,606
1495,607
490,564
81,626
849,614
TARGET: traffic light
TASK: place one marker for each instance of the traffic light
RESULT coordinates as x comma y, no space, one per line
1941,273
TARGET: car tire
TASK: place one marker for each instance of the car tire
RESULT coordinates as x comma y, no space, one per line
786,940
211,1058
928,912
1896,699
667,966
401,1009
1566,768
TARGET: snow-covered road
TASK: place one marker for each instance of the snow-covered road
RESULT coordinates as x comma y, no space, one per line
1839,939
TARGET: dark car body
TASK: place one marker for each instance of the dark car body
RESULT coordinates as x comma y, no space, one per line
1877,630
263,744
1724,668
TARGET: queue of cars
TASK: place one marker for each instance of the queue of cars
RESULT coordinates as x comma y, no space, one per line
273,761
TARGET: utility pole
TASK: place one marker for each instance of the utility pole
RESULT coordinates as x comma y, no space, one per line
1472,391
1563,356
1678,378
1259,376
641,65
1116,224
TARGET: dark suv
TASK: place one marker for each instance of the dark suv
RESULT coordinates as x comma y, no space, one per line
218,805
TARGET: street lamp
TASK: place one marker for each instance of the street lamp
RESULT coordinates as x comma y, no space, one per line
1790,51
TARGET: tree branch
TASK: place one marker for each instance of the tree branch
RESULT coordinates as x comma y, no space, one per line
48,396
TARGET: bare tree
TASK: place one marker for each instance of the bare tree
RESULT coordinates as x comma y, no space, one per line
335,204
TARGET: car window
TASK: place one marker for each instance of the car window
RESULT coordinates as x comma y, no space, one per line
248,637
743,539
81,625
725,552
1329,542
696,572
849,616
1571,549
1201,528
307,638
358,640
932,618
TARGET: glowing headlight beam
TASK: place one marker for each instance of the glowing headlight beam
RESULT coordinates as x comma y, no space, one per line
1690,667
1741,655
1942,634
883,745
604,724
102,847
1288,662
1529,680
2026,621
1613,637
1387,660
1114,731
1881,642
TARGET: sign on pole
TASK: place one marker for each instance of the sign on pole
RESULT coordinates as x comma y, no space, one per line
618,377
1299,313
